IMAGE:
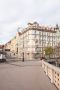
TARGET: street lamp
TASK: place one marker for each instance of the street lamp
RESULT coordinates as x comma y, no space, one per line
23,57
19,28
23,49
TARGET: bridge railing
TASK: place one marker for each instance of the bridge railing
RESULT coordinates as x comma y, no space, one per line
52,72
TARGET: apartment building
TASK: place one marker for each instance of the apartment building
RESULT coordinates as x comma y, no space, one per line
33,40
57,51
1,48
29,44
11,48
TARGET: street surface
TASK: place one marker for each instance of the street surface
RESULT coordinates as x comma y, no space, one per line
24,76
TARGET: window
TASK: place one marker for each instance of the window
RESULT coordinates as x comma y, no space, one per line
40,33
44,33
30,31
7,49
37,32
31,36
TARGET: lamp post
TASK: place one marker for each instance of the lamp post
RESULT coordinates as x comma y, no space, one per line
23,57
19,28
23,49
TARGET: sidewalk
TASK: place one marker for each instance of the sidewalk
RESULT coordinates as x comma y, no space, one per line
24,76
26,63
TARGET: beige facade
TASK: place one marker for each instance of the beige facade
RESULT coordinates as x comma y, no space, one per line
11,48
7,47
33,39
57,51
29,44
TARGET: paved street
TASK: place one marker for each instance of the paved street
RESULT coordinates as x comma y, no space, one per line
24,76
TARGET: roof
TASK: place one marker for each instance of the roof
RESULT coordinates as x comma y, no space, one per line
36,26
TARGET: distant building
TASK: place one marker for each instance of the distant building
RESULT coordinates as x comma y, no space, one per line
11,48
33,40
1,48
29,44
57,50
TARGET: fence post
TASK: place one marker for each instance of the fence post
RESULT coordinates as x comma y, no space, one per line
42,64
46,70
52,76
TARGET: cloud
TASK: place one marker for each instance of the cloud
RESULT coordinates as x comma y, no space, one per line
20,12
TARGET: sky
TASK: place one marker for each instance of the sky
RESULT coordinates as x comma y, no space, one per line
17,13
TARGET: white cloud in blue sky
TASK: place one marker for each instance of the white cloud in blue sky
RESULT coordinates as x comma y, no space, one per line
20,12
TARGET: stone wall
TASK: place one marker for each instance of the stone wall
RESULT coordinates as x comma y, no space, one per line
53,73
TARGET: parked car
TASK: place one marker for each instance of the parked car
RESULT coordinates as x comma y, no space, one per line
2,57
